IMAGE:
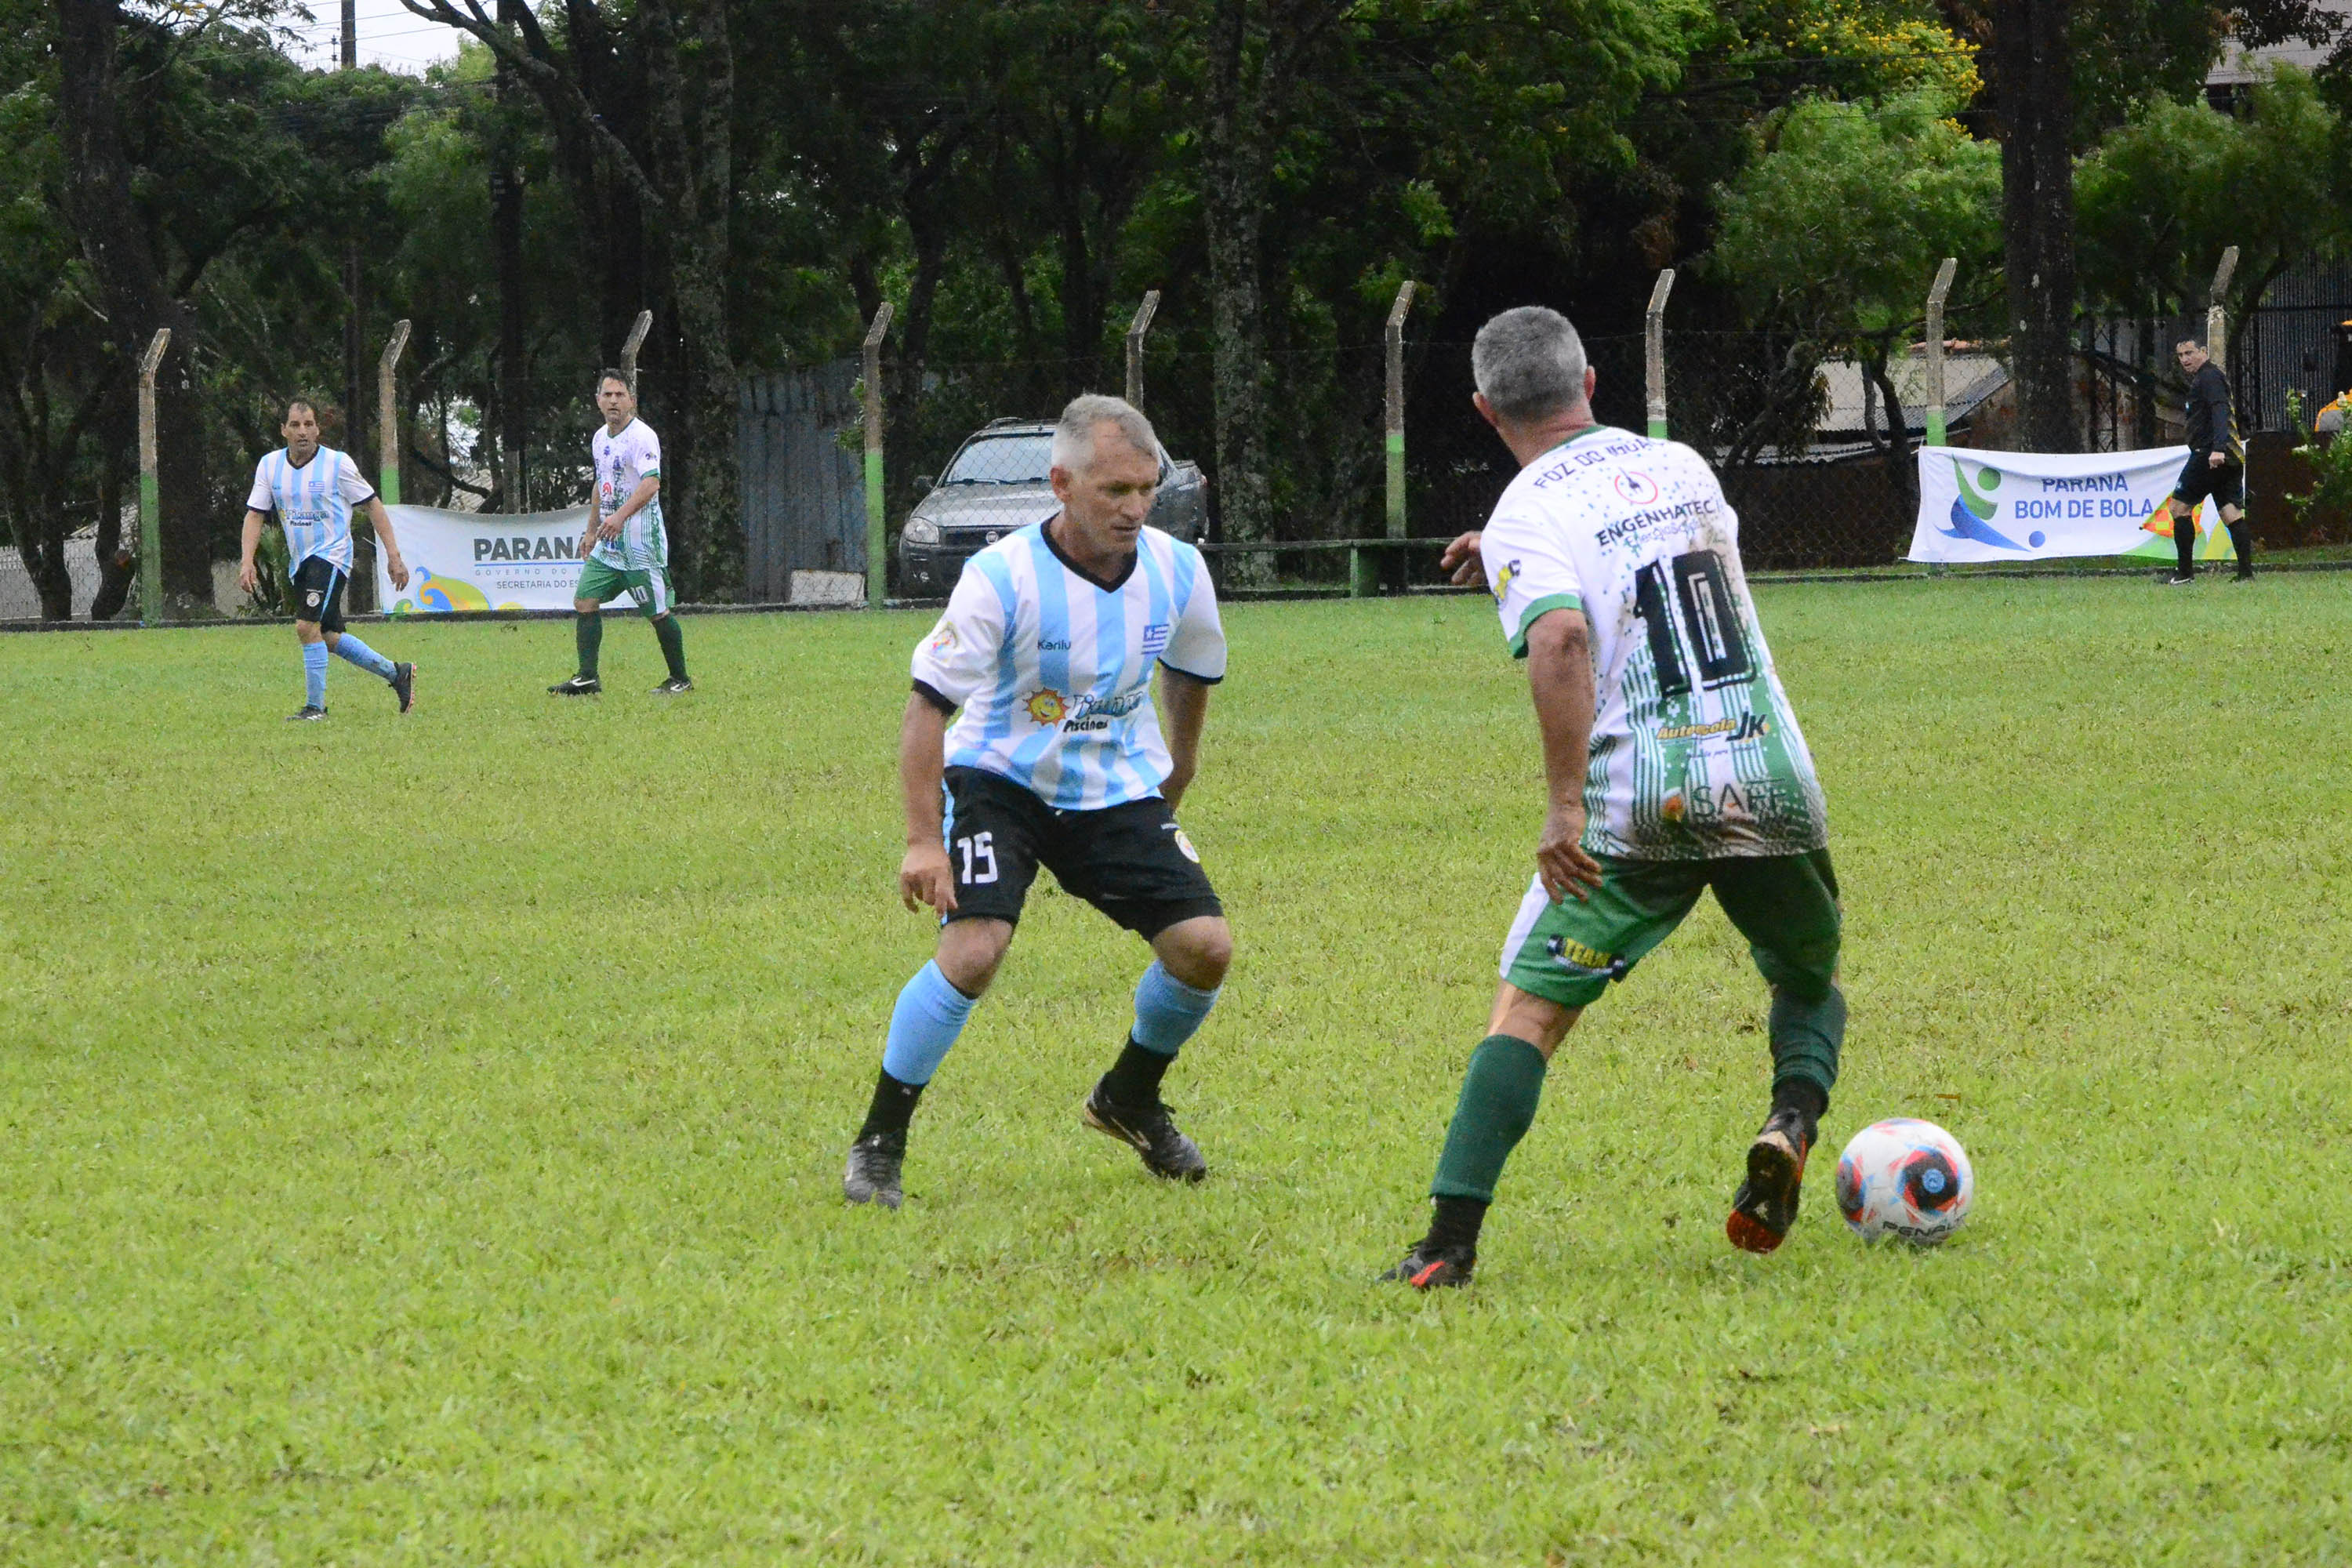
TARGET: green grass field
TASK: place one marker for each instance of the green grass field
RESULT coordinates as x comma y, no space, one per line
420,1138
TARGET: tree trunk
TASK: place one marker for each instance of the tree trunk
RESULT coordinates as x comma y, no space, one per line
1236,165
506,251
690,75
2033,95
1901,470
106,223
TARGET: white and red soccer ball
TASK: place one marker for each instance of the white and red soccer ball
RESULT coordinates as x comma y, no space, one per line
1907,1178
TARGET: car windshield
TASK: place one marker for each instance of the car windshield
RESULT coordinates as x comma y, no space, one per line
1020,460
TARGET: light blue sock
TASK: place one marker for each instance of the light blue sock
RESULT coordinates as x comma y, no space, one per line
925,1023
1167,1011
350,647
314,674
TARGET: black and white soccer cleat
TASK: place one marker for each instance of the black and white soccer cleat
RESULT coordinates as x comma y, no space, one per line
673,686
310,712
1151,1134
872,1175
404,685
578,686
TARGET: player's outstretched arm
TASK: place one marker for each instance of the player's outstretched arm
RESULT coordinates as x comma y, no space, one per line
1560,676
248,576
925,877
1460,559
394,565
1183,710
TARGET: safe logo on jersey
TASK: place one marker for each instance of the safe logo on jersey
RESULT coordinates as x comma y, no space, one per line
1639,488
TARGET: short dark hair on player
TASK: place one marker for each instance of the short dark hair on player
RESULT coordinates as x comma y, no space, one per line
1528,364
611,375
304,403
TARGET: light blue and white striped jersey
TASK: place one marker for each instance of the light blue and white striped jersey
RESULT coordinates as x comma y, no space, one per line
313,503
622,460
1052,672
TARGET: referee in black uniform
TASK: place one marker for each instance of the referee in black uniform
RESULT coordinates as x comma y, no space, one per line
2216,465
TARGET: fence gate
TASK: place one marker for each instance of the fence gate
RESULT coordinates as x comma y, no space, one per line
803,492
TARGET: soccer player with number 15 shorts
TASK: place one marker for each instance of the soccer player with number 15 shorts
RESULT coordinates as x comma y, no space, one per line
1057,758
1673,766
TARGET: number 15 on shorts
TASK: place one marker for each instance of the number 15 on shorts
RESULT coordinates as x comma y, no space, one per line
979,852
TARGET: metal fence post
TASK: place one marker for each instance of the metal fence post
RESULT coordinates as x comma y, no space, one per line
1363,575
1135,331
1653,351
2217,319
877,532
151,493
1936,430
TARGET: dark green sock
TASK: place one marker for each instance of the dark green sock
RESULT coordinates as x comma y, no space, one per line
673,644
1806,1038
588,630
1498,1105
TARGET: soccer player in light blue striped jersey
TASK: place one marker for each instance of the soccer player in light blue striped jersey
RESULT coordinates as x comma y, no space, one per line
1057,758
310,490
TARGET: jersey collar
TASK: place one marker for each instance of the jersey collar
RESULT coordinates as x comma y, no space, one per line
1112,586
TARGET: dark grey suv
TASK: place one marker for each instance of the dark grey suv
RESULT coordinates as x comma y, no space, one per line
996,484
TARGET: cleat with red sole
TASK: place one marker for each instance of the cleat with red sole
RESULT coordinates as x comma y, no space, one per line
1766,1205
1426,1267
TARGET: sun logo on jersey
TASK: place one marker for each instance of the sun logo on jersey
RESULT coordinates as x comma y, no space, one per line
1046,707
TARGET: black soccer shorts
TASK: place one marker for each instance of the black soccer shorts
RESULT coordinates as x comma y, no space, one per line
1131,862
2198,478
318,593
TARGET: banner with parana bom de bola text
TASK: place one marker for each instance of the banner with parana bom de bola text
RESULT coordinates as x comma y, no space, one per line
485,561
2028,506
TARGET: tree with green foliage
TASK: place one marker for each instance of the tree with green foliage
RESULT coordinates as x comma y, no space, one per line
1837,228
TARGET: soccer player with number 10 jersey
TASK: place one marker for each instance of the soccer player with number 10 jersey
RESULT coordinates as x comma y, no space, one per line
1673,766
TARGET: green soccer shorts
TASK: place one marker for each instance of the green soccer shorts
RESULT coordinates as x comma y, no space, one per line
1785,905
649,588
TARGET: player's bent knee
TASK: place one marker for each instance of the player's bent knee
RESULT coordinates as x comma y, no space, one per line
1197,951
970,950
1537,1020
584,606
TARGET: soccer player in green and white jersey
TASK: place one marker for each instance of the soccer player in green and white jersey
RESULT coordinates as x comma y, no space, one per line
626,547
1673,765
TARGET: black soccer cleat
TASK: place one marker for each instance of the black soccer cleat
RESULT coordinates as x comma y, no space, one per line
1151,1134
2176,579
1766,1205
404,685
872,1175
2241,576
673,686
311,712
578,686
1428,1268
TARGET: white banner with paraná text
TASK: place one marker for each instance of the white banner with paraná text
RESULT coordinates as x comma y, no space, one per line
2030,506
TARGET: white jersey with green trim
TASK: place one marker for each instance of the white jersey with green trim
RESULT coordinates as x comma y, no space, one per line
622,460
1695,751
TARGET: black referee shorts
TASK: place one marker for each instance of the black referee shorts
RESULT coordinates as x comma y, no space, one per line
1131,862
2199,478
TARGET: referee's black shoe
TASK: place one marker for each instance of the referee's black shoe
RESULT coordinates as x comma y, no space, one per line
1149,1132
1429,1268
578,686
310,712
404,685
2176,579
872,1176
